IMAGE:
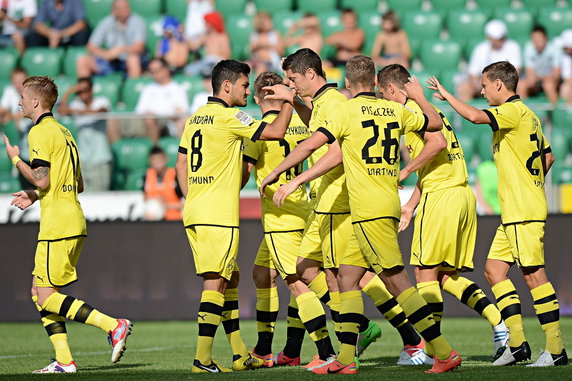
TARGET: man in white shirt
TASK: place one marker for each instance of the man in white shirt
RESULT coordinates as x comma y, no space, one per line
566,66
16,17
497,47
542,66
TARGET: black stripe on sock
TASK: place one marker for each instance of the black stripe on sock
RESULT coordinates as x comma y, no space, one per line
293,312
295,333
481,305
211,308
83,313
364,324
231,325
398,319
325,348
512,310
206,329
55,328
436,308
325,298
266,316
335,315
66,304
422,313
469,291
505,295
408,334
431,333
264,345
546,299
44,313
387,306
315,324
348,338
549,317
351,317
230,305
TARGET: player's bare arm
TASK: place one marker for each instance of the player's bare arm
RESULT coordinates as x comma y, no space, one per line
408,209
303,111
246,171
298,155
80,187
277,129
435,142
547,161
467,111
330,160
38,177
182,173
414,90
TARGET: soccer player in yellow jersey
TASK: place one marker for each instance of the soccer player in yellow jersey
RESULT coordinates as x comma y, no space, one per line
209,170
523,157
55,171
371,163
441,248
278,252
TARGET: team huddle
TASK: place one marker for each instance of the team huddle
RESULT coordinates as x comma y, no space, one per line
340,239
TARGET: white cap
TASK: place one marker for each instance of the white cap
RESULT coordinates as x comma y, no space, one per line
496,29
566,38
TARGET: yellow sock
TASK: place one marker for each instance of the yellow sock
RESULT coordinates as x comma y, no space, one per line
334,305
431,292
231,323
312,315
295,330
420,316
470,293
77,310
56,329
508,303
267,304
320,288
548,312
209,317
351,315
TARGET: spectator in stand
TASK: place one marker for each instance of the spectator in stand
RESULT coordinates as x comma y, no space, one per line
497,47
195,26
59,23
16,18
349,41
161,187
486,188
163,103
306,33
566,66
89,117
542,67
173,47
266,45
201,98
117,44
215,44
391,45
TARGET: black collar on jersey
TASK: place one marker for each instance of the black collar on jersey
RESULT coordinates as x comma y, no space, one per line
407,99
323,89
513,98
270,112
217,100
365,94
44,115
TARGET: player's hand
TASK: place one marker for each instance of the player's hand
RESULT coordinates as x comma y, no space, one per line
283,192
406,215
413,89
434,84
269,180
11,150
403,174
279,92
24,199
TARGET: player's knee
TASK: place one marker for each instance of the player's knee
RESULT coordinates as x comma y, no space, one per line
534,277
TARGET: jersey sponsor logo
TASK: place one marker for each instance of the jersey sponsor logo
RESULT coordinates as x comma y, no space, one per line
36,151
202,119
382,172
199,180
378,111
244,118
65,132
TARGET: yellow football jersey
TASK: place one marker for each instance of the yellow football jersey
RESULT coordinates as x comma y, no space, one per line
267,155
448,168
368,130
518,146
53,146
212,141
331,191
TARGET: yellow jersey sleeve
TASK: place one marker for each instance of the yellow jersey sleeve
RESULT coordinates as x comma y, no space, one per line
503,117
41,148
252,150
243,125
413,121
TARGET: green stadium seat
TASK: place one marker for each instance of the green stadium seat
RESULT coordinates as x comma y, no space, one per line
484,145
422,77
70,58
330,22
370,22
251,184
230,7
555,20
467,139
241,27
43,61
448,5
490,5
518,21
401,6
132,153
469,45
11,131
561,174
146,8
439,55
132,89
170,145
316,6
9,184
63,84
447,79
8,61
415,46
422,24
96,10
154,33
560,139
134,180
193,84
466,23
539,4
284,20
273,6
107,86
176,8
562,117
361,5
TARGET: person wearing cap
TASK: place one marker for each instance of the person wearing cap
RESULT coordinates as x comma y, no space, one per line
172,47
566,66
215,45
497,47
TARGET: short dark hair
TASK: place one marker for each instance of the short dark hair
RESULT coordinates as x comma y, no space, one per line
267,78
87,80
156,150
394,73
539,28
228,70
360,70
302,60
505,72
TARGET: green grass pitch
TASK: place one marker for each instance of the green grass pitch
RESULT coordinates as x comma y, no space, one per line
164,351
